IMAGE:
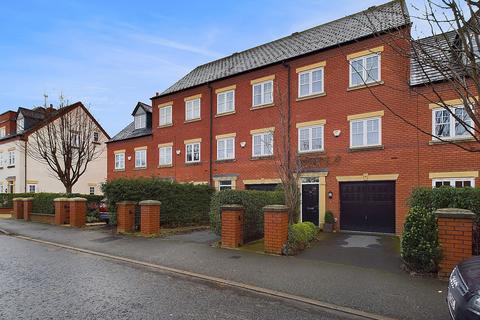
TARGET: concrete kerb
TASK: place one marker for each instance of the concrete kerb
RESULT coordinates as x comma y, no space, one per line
230,283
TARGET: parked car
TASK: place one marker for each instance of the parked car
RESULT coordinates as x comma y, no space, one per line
104,215
463,296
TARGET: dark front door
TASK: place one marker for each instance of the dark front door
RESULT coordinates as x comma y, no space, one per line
368,206
310,203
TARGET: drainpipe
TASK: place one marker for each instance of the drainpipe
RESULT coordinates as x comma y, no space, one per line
25,166
289,113
210,162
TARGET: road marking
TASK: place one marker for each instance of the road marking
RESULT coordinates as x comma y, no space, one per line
234,284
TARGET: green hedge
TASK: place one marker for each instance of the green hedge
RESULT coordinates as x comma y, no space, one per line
299,237
252,201
182,204
43,201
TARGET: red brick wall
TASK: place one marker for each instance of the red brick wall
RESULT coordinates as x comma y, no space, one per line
8,121
275,221
149,217
232,226
42,218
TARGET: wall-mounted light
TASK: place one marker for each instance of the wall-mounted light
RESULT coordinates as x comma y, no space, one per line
243,144
337,133
129,158
330,194
178,151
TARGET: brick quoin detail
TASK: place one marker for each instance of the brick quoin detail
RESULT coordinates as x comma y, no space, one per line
27,208
18,208
455,236
125,216
275,228
150,217
232,226
78,212
62,211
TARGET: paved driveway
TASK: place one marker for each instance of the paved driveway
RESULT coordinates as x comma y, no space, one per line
363,250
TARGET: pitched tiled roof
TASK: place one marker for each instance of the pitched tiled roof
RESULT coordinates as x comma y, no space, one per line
144,106
130,132
373,20
431,58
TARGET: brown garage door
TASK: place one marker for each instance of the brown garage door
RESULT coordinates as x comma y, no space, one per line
367,206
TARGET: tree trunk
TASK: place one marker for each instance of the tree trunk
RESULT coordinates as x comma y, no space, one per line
68,189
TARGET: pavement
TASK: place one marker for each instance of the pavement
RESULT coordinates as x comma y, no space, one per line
44,282
355,284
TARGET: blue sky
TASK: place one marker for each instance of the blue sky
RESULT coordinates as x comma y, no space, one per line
111,54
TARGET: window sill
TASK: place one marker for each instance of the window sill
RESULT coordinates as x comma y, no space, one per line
165,166
225,161
166,125
190,164
143,168
96,142
224,114
312,96
451,141
263,106
8,167
261,158
310,153
118,170
368,85
193,120
366,148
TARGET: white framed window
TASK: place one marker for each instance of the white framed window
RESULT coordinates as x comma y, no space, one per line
310,139
3,132
32,187
262,144
141,158
140,121
446,126
11,186
119,161
226,148
225,185
310,82
165,114
192,152
165,156
95,137
454,182
75,139
192,109
366,132
226,101
11,158
91,190
262,93
365,70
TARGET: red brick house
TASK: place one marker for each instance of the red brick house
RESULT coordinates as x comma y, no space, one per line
219,124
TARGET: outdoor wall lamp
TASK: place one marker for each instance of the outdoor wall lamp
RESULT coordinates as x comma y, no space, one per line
337,133
129,158
243,144
178,151
330,194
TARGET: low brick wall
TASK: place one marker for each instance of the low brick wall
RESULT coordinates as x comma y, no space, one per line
42,218
150,217
6,210
275,228
232,225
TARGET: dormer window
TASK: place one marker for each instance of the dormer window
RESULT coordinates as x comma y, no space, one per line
140,121
20,123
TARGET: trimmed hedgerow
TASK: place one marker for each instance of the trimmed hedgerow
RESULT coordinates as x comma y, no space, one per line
299,237
420,247
182,204
252,201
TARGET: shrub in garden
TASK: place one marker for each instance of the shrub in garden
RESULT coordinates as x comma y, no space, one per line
183,204
299,237
420,247
329,218
253,202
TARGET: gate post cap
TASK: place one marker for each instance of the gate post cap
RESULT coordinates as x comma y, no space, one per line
275,208
454,213
126,202
60,199
17,199
232,207
149,203
27,199
77,199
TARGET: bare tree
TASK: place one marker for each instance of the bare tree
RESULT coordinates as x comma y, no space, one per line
67,144
444,60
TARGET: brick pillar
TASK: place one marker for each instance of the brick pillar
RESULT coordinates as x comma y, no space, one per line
275,228
78,212
62,210
455,235
150,217
18,208
27,208
233,216
125,216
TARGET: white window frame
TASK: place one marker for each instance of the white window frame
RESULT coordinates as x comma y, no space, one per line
30,185
262,93
167,154
137,158
195,112
96,136
364,70
11,158
225,156
365,133
310,84
118,162
140,121
310,139
90,188
225,187
452,132
192,144
3,132
453,181
263,148
165,119
223,95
